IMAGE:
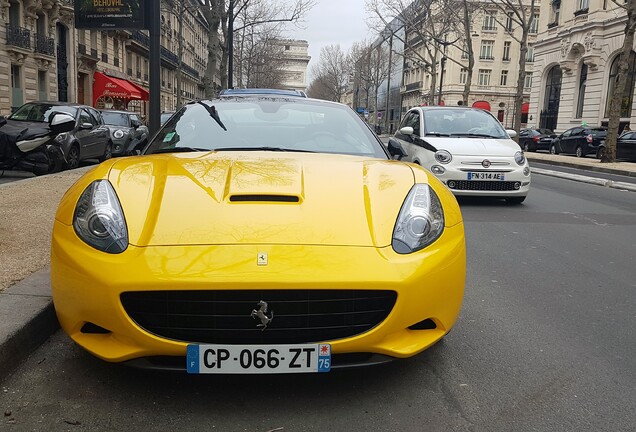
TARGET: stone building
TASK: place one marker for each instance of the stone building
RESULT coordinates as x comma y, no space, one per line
296,60
43,57
495,71
576,62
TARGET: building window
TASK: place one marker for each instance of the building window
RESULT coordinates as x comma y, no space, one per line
530,54
487,48
503,81
14,14
582,84
484,77
490,21
528,81
463,75
626,105
534,25
43,94
583,4
17,95
509,21
506,51
554,14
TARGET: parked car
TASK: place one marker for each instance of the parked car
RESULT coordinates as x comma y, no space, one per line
625,147
531,140
467,149
90,139
165,116
579,141
223,247
127,131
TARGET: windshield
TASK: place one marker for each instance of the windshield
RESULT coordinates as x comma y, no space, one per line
267,124
115,119
462,122
40,112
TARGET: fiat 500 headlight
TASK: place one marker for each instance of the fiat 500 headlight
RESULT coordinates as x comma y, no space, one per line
520,158
99,220
443,156
118,134
420,222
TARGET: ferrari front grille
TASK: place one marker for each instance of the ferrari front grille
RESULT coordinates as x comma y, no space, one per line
232,316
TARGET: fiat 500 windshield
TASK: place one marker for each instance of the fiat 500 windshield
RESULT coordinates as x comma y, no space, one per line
462,123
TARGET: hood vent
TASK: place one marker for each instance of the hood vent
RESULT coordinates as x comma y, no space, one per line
265,198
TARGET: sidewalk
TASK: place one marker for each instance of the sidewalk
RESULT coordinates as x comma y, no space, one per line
27,211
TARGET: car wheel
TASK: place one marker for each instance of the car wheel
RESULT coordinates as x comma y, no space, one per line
515,200
73,157
579,152
108,152
553,149
600,153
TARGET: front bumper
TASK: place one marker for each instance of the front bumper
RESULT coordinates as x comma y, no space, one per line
87,285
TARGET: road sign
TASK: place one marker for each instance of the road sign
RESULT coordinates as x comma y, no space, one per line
366,113
379,114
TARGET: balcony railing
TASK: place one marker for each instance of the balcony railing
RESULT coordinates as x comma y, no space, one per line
486,57
489,28
141,38
44,45
190,70
169,56
18,37
413,86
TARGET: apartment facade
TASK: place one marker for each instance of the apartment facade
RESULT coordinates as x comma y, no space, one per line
576,59
43,57
495,71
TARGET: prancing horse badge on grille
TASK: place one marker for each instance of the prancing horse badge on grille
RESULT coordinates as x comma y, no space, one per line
261,259
261,313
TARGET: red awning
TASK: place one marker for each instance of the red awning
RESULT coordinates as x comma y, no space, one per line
144,93
482,105
525,107
108,86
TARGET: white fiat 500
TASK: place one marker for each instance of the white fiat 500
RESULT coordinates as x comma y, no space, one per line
467,149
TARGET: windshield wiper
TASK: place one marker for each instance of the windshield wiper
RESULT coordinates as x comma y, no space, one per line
438,134
476,135
180,150
276,149
214,114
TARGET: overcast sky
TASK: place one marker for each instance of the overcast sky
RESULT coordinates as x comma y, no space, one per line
333,22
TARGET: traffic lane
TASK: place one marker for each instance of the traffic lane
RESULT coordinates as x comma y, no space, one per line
585,172
535,348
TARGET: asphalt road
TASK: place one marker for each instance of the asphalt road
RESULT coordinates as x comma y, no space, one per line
545,342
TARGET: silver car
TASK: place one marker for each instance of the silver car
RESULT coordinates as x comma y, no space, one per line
127,131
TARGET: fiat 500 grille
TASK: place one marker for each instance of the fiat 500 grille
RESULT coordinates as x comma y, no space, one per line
479,185
223,317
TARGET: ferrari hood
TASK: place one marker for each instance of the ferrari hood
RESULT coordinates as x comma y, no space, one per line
260,198
475,146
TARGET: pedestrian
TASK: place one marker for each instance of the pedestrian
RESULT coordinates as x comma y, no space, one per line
626,129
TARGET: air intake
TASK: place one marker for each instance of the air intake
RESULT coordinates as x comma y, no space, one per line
264,198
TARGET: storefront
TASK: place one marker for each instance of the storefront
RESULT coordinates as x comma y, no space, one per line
115,93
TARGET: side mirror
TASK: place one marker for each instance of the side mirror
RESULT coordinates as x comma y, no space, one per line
135,123
512,133
407,130
395,149
86,126
61,122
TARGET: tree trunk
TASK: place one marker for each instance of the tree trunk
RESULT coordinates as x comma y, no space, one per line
520,82
619,91
210,11
471,54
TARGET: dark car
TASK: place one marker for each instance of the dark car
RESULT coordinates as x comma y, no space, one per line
531,140
579,141
127,131
625,147
90,139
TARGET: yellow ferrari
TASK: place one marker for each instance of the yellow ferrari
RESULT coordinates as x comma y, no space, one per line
258,234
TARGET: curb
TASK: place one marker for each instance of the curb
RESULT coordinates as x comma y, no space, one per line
599,169
28,319
585,179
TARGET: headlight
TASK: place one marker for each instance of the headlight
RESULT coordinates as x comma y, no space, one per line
520,158
60,138
420,222
443,156
99,220
118,134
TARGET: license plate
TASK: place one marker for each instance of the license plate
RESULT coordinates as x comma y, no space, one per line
258,359
486,176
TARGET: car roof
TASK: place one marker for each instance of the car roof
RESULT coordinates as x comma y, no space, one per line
118,112
56,103
262,91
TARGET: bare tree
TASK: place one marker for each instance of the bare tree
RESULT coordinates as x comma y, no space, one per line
220,13
319,89
379,69
332,71
520,14
620,90
361,63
